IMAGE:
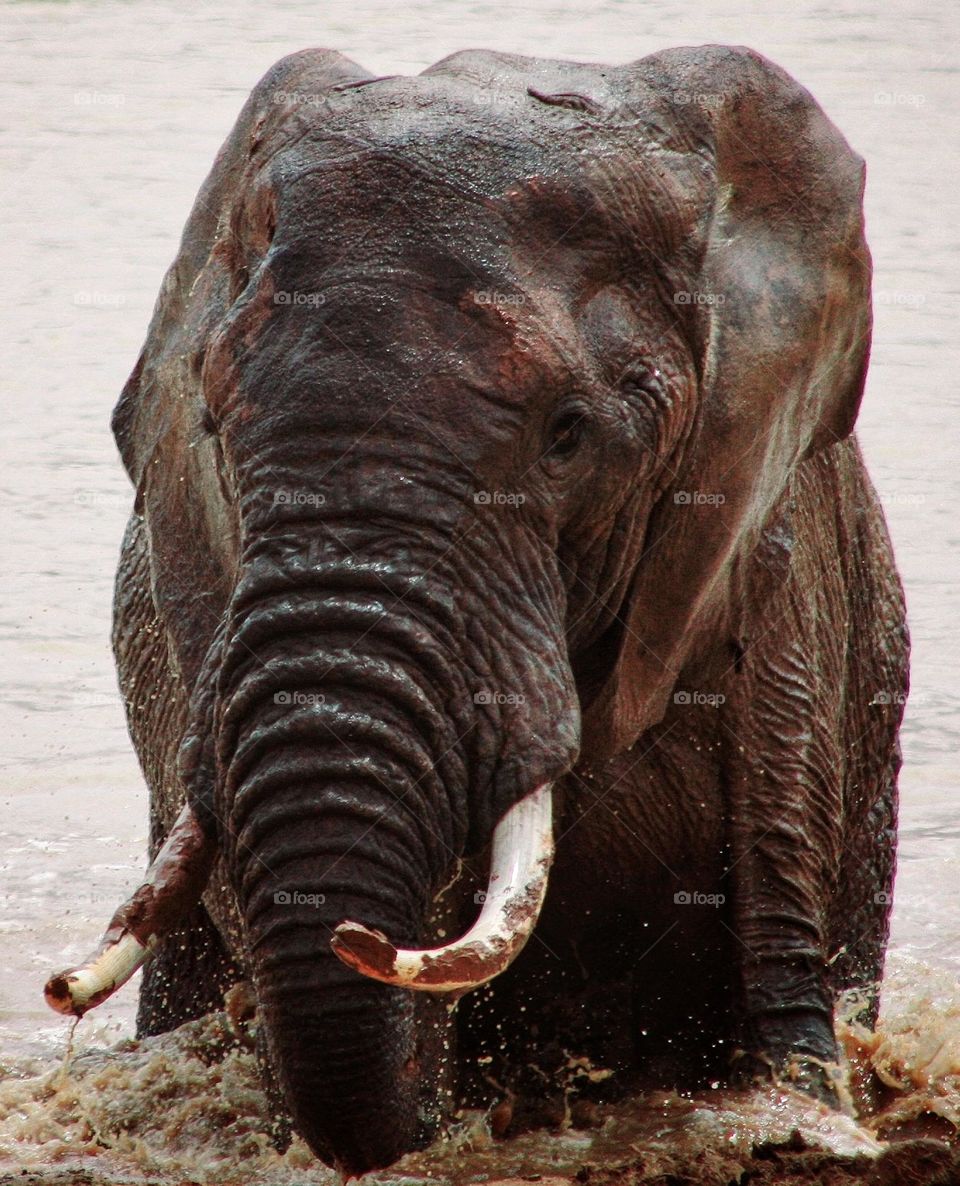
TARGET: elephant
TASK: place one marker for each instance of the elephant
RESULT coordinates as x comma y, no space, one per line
498,513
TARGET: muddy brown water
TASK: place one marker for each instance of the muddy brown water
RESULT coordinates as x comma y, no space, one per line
112,113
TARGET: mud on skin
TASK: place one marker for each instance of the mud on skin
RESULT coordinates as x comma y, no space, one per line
483,445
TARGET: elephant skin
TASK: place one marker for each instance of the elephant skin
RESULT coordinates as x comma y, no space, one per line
493,429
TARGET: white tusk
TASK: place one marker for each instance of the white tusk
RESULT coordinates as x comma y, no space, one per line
82,989
519,868
172,886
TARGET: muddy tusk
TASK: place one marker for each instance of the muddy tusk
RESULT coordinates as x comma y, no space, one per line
519,867
173,884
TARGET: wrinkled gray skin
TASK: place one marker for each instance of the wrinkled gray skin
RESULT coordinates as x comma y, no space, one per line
629,308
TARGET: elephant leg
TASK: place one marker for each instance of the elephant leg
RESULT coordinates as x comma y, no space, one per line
859,927
811,762
859,922
783,852
783,994
784,765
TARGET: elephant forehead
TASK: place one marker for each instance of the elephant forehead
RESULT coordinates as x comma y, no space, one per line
451,160
405,230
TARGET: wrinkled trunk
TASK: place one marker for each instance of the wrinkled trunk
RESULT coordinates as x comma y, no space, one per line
345,1049
339,769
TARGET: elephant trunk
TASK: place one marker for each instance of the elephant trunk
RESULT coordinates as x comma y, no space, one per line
344,1049
341,774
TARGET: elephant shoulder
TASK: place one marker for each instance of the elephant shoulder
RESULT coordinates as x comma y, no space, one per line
824,546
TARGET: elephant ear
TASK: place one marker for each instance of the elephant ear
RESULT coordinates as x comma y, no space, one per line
779,320
157,421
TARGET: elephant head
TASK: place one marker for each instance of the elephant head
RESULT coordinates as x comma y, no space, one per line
461,408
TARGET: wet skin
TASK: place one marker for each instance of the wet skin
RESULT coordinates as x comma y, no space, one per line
493,428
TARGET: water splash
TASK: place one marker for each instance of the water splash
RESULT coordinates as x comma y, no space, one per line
188,1105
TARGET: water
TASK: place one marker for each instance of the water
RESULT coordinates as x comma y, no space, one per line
112,113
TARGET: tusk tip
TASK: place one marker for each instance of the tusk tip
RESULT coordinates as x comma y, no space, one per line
57,994
366,951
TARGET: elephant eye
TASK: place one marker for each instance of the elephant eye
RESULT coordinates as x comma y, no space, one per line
566,435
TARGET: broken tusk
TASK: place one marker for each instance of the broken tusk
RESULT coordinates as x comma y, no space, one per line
173,884
74,992
519,867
